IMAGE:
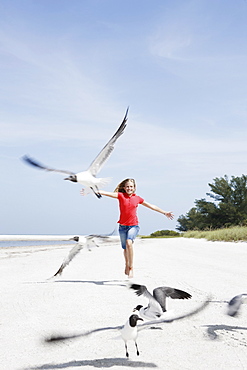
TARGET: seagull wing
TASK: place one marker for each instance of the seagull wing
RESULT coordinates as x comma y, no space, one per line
234,304
161,293
166,321
153,305
99,161
36,164
73,252
55,338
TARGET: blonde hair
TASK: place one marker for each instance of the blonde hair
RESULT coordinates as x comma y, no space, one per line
121,186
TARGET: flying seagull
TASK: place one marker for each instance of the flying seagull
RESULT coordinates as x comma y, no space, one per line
235,303
88,241
128,331
157,301
88,178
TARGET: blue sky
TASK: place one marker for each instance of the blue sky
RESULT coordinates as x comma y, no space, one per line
68,71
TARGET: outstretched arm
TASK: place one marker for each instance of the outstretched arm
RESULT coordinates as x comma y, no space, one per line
108,194
157,209
102,192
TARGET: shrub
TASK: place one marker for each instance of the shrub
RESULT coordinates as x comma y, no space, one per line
164,233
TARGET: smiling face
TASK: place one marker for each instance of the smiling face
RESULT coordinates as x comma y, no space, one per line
129,187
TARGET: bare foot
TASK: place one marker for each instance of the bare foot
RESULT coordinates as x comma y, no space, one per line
126,271
130,272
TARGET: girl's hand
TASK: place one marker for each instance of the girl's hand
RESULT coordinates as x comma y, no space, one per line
82,192
169,215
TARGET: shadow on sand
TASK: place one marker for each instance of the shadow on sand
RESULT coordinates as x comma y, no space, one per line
212,330
99,363
104,282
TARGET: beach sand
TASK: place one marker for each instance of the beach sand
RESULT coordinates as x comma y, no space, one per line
92,293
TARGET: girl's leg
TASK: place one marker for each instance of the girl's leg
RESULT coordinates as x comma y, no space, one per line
129,252
123,230
132,233
126,262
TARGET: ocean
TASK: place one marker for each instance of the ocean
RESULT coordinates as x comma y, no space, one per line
26,243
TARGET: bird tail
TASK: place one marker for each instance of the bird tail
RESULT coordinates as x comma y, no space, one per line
103,181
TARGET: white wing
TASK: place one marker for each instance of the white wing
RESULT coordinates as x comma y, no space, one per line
101,158
55,338
72,253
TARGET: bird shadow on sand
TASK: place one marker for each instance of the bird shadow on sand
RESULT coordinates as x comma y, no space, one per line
212,330
103,282
99,363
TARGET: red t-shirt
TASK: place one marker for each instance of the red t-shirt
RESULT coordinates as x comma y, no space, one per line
128,207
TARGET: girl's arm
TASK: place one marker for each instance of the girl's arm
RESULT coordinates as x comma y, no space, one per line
108,193
157,209
102,192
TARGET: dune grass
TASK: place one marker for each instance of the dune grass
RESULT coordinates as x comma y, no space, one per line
236,233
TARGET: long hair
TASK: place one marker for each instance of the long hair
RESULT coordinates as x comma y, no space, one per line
121,186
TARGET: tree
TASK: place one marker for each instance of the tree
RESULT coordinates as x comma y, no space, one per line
229,206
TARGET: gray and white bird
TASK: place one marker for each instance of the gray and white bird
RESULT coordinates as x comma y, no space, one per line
157,301
88,241
88,178
235,303
129,331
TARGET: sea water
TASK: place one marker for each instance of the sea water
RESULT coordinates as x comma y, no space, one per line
26,243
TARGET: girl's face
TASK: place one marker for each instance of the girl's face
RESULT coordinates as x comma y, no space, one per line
129,187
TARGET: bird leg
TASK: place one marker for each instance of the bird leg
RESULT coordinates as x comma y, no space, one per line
137,351
126,350
98,195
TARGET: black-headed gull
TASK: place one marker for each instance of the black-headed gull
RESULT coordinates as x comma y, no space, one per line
128,331
157,301
88,178
235,303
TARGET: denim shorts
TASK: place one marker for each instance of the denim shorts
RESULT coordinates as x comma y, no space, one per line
127,232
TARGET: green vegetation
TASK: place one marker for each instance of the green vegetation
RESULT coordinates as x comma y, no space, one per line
164,234
236,233
229,206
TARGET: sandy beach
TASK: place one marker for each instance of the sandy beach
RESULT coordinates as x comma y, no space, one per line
92,293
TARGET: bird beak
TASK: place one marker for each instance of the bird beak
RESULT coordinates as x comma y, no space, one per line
139,318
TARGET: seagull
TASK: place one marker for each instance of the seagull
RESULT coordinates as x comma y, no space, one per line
157,301
88,178
235,303
88,240
128,331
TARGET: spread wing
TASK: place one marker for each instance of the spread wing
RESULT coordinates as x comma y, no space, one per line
101,158
72,253
36,164
88,240
161,293
147,324
56,338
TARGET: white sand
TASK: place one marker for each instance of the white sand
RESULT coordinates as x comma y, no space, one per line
91,294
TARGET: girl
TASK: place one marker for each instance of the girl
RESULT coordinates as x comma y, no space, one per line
128,221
